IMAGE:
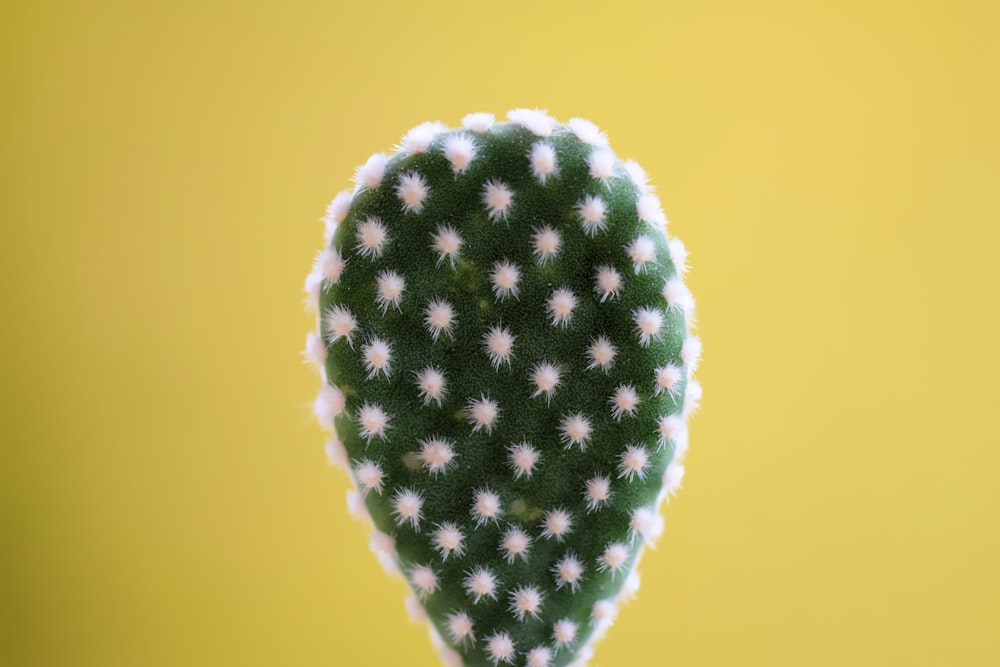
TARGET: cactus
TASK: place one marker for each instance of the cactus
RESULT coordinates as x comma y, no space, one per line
505,341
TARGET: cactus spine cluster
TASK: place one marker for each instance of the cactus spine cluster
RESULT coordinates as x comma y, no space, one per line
504,336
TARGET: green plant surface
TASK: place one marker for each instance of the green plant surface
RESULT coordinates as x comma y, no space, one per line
504,334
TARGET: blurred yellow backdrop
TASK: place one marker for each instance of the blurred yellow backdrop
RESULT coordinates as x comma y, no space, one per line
833,168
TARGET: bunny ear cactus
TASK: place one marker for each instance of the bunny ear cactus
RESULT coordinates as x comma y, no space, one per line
505,340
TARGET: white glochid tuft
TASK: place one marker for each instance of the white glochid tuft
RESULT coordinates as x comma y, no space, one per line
449,657
377,356
504,277
483,414
543,160
641,251
672,478
601,354
638,175
692,398
568,571
631,586
431,383
439,317
336,453
647,523
389,292
602,164
420,138
558,523
416,610
625,401
536,121
587,132
372,237
313,286
340,323
406,507
597,492
369,476
560,307
677,296
648,324
515,543
480,583
575,429
613,558
691,353
650,211
436,454
460,628
448,539
460,149
633,462
332,264
356,508
498,199
593,213
384,548
668,379
373,422
680,443
330,404
499,344
546,242
603,615
424,580
670,429
500,648
545,377
678,255
412,191
478,122
540,656
607,283
524,601
336,213
369,175
447,244
564,632
486,507
523,458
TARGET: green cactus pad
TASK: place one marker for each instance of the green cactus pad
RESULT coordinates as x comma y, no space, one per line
504,335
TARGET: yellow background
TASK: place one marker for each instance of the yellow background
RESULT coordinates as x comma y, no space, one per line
832,167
